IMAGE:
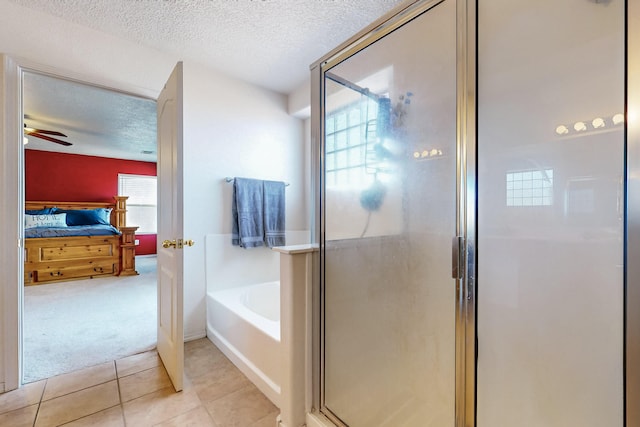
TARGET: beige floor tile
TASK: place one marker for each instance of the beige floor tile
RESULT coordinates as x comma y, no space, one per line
23,417
78,380
112,417
137,362
219,382
145,382
203,360
216,394
22,397
268,421
76,405
198,417
158,407
199,346
241,408
199,367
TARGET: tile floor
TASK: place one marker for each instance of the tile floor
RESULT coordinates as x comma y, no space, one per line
136,391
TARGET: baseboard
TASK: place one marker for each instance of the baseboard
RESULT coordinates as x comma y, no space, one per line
196,336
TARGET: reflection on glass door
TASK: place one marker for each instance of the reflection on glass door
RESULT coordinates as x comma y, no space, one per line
389,216
550,213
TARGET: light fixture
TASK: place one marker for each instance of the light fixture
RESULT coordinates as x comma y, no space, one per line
597,123
617,119
427,153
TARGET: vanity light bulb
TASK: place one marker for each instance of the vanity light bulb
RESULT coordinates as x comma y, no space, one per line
618,118
598,122
425,153
562,130
580,126
439,152
416,154
434,152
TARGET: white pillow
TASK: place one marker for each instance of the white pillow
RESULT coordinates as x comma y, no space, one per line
53,220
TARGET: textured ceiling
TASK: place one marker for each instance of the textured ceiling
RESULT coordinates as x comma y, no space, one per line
96,121
270,43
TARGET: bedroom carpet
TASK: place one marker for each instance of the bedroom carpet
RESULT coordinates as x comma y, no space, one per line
82,323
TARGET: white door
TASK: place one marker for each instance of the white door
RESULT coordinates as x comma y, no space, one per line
170,226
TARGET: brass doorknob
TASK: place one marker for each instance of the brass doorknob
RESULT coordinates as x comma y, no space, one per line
169,243
189,242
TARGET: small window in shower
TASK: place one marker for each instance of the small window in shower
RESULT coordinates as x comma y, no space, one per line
530,187
348,133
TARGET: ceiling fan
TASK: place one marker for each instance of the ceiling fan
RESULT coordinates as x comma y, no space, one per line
42,134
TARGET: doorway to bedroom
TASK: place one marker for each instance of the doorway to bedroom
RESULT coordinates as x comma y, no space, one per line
78,139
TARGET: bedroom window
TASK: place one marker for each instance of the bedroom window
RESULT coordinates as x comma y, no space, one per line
142,202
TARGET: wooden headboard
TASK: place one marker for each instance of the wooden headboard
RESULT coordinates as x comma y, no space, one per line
119,208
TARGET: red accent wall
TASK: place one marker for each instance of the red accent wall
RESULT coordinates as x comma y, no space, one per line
74,178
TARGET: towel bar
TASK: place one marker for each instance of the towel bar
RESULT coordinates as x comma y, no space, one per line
230,179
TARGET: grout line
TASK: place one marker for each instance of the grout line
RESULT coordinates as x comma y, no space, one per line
46,381
86,416
115,366
124,420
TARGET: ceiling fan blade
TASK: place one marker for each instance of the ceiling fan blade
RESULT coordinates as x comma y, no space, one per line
47,132
48,138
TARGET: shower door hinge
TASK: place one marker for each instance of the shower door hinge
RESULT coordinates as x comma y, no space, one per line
457,248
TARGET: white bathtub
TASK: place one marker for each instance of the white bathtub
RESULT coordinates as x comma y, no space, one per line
244,323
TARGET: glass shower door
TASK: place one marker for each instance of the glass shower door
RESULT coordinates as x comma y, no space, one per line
551,156
389,205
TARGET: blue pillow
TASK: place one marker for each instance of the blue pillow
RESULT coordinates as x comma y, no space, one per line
45,211
86,216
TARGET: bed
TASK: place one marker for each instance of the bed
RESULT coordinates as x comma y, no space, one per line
72,240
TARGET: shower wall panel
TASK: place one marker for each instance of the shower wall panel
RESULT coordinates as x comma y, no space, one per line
550,213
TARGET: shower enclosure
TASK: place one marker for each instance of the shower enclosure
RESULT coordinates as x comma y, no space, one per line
477,195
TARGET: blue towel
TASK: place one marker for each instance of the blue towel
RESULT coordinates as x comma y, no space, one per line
274,208
247,209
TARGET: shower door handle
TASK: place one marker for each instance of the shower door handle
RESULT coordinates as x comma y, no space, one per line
457,246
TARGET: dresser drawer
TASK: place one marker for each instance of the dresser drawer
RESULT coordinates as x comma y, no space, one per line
86,271
65,253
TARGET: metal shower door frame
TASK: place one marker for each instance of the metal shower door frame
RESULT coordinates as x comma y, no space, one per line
632,217
465,303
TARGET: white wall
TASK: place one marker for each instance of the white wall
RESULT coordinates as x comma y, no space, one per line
231,128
